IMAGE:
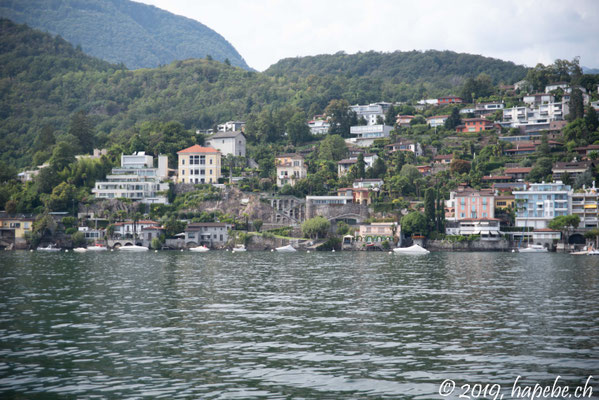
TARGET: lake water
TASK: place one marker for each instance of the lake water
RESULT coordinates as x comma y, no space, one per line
267,325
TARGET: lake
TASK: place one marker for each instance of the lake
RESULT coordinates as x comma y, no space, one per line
267,325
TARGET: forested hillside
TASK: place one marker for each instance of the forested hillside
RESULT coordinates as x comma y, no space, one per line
122,31
45,82
441,68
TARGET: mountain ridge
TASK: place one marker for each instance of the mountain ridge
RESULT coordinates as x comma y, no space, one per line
136,34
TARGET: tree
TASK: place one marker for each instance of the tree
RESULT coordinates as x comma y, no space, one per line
332,147
564,223
591,119
297,129
429,207
459,166
361,167
340,117
454,119
81,129
316,227
414,222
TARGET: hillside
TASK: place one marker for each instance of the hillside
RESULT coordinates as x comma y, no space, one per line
122,31
44,81
444,68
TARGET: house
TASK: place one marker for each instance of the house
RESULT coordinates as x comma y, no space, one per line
541,202
437,120
517,173
538,98
14,229
372,113
231,126
127,229
425,170
406,145
467,202
199,164
490,179
379,232
443,159
404,120
449,100
136,179
474,125
229,142
365,135
573,169
368,183
344,166
585,204
290,169
487,228
210,234
319,126
359,195
504,201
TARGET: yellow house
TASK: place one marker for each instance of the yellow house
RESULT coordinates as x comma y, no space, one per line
13,229
290,168
199,164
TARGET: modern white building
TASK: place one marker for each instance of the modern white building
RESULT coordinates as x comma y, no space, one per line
365,135
371,112
542,202
136,179
229,142
319,126
231,126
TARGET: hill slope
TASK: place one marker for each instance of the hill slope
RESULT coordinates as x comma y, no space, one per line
138,35
45,81
444,68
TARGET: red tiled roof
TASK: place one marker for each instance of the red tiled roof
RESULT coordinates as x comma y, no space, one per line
196,148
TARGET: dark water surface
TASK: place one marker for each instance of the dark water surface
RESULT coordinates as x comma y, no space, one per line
266,325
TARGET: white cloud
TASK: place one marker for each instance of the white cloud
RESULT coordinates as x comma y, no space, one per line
526,32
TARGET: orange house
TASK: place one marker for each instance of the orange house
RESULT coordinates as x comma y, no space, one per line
474,125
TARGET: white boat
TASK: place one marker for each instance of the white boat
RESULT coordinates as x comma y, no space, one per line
533,248
133,248
97,247
200,249
413,250
286,249
50,247
239,248
79,250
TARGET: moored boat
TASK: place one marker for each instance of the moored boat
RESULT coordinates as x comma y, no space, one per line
133,248
286,249
199,249
412,250
533,248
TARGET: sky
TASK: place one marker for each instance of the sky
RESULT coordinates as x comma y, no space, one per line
523,31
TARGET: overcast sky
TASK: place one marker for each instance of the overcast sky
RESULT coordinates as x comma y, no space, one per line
524,31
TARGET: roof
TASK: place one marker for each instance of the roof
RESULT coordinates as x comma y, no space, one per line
206,225
518,170
196,148
225,135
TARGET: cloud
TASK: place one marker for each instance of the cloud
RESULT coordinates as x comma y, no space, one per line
526,32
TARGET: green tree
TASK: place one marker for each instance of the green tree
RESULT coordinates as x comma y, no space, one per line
316,227
564,223
454,119
297,129
361,167
414,222
333,148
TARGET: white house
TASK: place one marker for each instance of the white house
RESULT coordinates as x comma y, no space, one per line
136,179
229,142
